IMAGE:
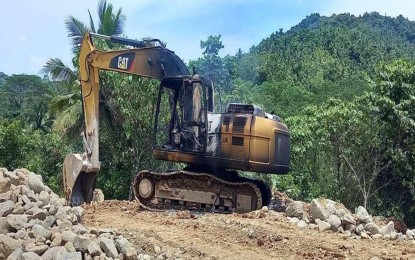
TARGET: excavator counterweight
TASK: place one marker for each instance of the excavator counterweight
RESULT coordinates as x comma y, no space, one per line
213,145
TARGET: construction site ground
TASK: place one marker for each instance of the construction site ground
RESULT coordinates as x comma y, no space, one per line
254,235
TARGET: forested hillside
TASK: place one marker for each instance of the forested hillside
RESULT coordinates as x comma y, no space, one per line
344,85
323,57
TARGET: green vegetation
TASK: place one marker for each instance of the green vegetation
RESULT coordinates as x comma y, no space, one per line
344,85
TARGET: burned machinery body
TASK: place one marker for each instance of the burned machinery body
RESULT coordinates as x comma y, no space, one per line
186,130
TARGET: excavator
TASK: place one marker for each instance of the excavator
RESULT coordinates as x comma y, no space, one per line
213,146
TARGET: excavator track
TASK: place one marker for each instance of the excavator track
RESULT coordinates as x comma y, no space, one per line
187,190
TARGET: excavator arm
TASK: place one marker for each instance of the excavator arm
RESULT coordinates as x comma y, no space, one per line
79,170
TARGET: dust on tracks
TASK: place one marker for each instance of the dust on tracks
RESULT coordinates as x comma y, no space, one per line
254,235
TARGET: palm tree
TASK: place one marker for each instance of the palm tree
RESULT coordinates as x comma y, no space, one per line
41,119
110,23
68,107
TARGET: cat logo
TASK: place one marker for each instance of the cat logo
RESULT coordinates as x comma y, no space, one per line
123,62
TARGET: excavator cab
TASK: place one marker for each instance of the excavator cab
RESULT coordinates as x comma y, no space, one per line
181,115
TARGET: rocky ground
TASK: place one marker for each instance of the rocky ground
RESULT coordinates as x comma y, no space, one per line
263,234
35,224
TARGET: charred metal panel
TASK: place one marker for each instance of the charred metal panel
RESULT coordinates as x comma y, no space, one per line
237,140
213,146
226,123
214,123
239,123
235,136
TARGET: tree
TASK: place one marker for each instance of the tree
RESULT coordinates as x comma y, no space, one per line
3,76
212,66
212,45
67,107
338,152
25,98
110,23
12,144
392,101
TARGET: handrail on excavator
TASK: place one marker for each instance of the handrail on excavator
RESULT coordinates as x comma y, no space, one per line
126,41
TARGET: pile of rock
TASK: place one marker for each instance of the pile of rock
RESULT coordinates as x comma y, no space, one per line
279,201
35,224
325,214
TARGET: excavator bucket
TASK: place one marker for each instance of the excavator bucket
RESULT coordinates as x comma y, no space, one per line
78,182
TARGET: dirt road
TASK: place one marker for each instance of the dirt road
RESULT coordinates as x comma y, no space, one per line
256,235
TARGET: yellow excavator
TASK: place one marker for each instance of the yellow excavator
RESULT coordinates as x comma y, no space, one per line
186,130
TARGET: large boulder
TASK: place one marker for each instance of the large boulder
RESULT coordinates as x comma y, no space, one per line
39,214
44,197
109,247
79,212
81,243
372,228
54,253
8,245
61,214
334,222
5,184
49,221
322,225
362,215
17,221
295,209
38,249
31,256
6,208
13,177
4,226
16,255
322,208
388,229
126,249
94,249
410,233
348,219
68,236
57,240
39,230
359,229
69,247
73,256
22,175
35,182
97,196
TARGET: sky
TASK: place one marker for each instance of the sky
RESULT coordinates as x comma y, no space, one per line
31,32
